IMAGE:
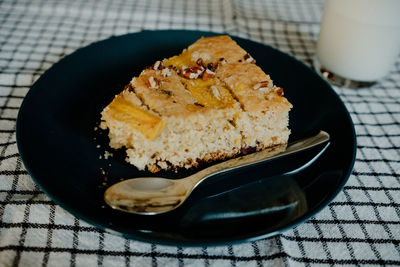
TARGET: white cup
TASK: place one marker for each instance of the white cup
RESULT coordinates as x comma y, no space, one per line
359,41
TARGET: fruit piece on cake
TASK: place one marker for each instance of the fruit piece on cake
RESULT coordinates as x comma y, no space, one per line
211,102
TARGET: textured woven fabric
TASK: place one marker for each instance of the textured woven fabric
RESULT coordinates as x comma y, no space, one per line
362,224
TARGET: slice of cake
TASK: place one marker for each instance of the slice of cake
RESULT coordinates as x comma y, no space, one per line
211,102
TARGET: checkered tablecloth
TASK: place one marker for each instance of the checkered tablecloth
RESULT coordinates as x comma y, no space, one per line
360,227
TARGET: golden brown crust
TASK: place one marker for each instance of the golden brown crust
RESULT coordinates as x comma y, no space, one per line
252,87
212,49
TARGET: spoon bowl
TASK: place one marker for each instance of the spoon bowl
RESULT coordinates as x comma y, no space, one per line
156,195
147,195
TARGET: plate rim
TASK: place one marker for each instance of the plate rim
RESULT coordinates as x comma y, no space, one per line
144,238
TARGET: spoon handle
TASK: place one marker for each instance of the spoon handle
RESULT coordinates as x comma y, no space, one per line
267,154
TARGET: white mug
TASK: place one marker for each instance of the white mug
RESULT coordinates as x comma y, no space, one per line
359,40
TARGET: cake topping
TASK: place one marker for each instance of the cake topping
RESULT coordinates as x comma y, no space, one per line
158,65
173,67
249,58
154,83
166,72
129,88
223,61
279,91
262,86
208,74
193,72
200,62
143,121
216,92
212,67
199,105
166,92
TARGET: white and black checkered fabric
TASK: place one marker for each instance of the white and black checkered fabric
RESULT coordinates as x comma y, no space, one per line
360,227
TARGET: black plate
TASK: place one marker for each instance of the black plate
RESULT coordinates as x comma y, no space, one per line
59,147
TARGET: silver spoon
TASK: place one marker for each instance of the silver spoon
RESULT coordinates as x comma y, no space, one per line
155,195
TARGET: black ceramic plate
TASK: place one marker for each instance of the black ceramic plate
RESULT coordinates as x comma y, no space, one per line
60,149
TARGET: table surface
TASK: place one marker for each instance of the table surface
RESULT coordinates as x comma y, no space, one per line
362,224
